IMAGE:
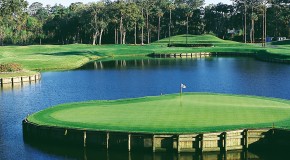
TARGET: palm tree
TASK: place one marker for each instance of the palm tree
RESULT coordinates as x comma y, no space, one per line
254,18
187,14
160,14
171,7
148,8
142,39
103,25
243,4
245,15
95,9
265,2
121,11
115,22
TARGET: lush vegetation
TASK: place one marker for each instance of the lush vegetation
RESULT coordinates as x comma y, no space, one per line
13,70
10,67
191,112
140,21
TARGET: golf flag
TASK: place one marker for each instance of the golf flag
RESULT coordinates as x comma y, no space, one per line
182,86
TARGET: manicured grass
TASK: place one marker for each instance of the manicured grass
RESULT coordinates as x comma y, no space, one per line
195,39
66,57
17,74
219,45
190,113
279,52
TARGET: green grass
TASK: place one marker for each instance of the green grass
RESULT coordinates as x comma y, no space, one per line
17,74
195,39
191,113
279,52
66,57
219,45
285,42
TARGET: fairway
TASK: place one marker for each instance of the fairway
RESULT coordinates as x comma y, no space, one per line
67,57
189,113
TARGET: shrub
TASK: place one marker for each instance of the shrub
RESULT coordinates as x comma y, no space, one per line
10,67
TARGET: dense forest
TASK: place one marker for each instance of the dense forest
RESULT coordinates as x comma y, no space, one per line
140,21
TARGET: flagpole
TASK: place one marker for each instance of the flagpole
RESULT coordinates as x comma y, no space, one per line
181,87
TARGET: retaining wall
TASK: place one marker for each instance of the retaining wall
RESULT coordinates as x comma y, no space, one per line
260,56
21,79
180,55
196,55
221,141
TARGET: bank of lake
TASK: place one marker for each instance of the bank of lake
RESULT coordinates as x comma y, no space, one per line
67,57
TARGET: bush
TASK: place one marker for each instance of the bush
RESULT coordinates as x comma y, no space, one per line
10,67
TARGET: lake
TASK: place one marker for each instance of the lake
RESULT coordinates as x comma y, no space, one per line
127,79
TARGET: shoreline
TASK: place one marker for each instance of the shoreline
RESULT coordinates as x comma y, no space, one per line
243,139
42,126
267,57
20,79
74,56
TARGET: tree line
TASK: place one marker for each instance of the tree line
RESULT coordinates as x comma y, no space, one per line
140,21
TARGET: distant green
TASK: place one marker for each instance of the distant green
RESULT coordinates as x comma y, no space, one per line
189,113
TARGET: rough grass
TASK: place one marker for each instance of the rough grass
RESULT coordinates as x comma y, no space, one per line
190,113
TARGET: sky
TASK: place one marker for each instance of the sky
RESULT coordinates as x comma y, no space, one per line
68,2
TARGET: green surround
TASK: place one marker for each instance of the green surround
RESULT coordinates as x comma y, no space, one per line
66,57
189,113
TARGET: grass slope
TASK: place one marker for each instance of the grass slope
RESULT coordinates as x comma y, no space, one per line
65,57
279,52
196,39
193,112
219,44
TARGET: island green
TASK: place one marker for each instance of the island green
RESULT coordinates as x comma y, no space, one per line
189,113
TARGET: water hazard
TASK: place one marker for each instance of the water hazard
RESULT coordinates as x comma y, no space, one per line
126,79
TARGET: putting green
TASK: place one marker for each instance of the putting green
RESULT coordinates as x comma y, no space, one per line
189,113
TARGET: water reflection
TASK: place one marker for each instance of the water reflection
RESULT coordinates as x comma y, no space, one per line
102,154
140,63
15,86
215,74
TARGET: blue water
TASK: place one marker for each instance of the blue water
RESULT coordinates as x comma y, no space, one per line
154,77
